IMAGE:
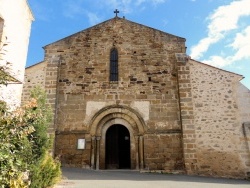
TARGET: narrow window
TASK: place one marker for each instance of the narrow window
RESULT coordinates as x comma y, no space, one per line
114,65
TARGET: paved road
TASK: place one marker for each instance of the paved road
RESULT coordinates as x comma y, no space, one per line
82,178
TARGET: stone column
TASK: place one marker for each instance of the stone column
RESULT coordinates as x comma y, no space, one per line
51,84
51,89
98,138
187,118
141,152
93,152
137,153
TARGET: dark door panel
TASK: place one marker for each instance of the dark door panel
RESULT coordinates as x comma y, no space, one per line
117,147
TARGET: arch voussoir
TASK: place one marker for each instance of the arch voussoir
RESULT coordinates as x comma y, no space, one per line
116,112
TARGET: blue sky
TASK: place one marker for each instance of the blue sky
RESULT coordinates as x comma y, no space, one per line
217,32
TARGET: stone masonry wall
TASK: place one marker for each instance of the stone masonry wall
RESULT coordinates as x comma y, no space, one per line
68,153
217,122
34,76
243,102
163,152
187,118
77,84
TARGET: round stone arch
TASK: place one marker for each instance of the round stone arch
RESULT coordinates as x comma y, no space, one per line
103,120
117,112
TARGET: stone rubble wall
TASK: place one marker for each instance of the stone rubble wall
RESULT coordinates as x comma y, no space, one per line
243,102
163,152
68,153
217,122
34,76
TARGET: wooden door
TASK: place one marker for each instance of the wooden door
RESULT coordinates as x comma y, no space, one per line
117,147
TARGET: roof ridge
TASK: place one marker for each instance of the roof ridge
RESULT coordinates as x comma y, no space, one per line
108,21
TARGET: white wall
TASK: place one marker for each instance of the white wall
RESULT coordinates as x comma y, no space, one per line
17,18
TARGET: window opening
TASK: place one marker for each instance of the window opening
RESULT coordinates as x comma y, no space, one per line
114,65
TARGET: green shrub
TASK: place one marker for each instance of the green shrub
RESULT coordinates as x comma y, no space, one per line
46,173
45,170
43,113
25,145
15,148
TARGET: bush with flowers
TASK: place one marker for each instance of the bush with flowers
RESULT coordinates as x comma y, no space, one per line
25,145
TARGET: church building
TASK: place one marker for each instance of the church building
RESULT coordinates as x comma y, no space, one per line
125,96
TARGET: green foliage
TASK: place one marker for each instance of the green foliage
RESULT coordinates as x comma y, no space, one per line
40,138
3,108
46,173
15,148
25,145
4,77
18,182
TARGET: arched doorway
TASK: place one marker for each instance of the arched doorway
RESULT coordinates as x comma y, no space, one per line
117,146
105,119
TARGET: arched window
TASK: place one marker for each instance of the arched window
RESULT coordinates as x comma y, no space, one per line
113,65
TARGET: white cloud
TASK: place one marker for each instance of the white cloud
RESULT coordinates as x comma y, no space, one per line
139,2
242,45
128,6
223,20
75,9
72,9
93,18
158,1
203,45
218,61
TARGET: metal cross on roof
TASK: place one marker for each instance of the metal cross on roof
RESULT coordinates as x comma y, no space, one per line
116,12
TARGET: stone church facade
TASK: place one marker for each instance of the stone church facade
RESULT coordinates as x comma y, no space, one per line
121,100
